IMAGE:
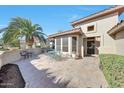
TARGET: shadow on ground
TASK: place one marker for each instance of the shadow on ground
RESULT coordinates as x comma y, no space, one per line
36,78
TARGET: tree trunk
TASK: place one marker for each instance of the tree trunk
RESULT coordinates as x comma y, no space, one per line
30,43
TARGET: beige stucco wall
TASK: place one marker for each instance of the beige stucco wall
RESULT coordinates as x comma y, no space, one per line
10,56
14,55
119,40
35,51
80,46
102,25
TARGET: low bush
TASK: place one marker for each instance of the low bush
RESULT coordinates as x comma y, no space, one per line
55,56
113,69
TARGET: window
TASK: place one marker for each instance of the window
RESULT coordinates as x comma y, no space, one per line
90,28
58,44
65,44
74,39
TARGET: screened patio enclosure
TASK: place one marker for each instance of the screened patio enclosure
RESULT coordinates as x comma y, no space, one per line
67,45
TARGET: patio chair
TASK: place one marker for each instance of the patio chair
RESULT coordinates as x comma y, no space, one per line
23,54
29,54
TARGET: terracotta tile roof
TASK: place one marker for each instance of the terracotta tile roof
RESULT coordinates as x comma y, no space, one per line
72,31
119,9
116,28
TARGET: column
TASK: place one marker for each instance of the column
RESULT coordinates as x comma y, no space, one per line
77,46
70,45
82,47
61,45
55,45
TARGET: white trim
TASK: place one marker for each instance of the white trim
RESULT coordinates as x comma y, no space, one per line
77,46
61,44
55,45
82,48
70,45
91,24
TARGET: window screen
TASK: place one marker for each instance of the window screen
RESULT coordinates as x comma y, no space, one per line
58,44
74,39
65,44
90,28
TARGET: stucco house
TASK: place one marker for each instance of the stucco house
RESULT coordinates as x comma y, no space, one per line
117,32
98,33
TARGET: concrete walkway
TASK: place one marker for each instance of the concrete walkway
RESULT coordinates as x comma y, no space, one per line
47,72
33,77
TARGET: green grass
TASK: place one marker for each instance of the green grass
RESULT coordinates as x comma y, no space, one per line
113,69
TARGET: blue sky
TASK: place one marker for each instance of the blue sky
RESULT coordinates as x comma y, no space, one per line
51,18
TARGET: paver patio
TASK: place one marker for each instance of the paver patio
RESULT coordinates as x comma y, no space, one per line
44,71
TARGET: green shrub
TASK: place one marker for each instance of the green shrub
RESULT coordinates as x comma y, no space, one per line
113,69
56,57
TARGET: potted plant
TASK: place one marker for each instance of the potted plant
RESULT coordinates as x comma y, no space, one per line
74,54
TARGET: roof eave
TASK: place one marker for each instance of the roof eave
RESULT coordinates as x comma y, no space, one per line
118,9
65,33
116,29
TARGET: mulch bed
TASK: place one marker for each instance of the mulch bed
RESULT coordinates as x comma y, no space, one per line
11,77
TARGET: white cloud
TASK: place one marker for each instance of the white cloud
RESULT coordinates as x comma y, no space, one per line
87,8
73,17
2,25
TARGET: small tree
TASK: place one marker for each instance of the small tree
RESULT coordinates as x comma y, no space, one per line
19,28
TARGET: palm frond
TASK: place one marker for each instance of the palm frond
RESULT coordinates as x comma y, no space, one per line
19,27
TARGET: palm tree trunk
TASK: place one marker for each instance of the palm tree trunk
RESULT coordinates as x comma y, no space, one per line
30,43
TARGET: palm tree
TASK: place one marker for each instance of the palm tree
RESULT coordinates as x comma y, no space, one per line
23,28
